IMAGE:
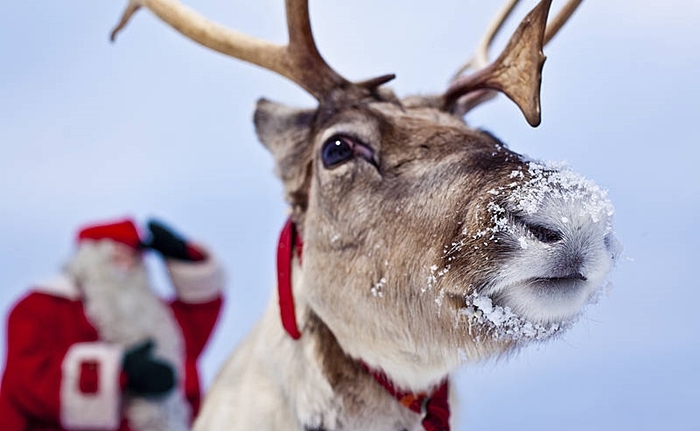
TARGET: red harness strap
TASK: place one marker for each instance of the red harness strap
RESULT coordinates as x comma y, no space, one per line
434,409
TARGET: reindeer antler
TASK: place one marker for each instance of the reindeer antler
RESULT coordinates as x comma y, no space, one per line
517,72
298,61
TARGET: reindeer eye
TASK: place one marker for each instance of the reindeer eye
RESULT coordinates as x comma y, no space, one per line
337,150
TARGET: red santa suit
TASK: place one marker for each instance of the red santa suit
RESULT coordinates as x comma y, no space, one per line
61,373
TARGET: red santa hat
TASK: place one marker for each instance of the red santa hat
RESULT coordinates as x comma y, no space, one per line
122,231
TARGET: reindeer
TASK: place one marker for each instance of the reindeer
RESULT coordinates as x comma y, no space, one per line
414,243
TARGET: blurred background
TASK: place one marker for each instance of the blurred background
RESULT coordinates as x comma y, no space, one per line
154,125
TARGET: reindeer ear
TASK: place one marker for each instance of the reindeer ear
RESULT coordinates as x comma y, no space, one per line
275,124
284,131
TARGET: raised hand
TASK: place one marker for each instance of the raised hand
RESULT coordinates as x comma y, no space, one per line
170,244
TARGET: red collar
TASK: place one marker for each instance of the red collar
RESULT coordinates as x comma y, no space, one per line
289,241
434,408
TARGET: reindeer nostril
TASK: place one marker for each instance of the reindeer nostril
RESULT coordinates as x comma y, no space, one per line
578,276
544,234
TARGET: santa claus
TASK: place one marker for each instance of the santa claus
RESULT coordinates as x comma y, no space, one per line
96,349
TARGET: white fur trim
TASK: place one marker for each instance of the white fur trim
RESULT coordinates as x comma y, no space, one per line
59,285
100,410
196,282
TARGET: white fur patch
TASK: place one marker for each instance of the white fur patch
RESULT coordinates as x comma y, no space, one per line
196,282
60,285
100,410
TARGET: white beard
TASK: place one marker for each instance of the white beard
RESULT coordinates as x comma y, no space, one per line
125,311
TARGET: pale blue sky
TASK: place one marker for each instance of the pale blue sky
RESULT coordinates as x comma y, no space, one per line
155,125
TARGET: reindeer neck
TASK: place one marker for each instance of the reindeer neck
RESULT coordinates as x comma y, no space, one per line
347,376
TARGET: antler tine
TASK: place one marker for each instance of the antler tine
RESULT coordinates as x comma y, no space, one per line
528,103
562,17
480,59
298,61
307,63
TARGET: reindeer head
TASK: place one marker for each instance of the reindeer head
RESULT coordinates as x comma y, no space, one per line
425,241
